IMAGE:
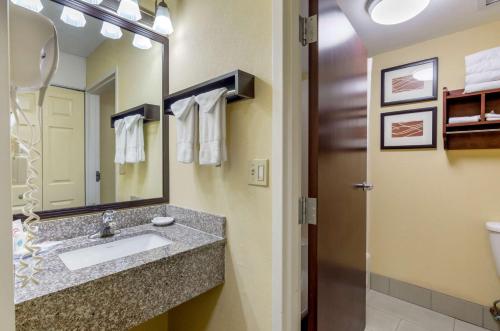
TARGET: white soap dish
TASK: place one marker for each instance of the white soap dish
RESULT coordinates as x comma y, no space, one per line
162,221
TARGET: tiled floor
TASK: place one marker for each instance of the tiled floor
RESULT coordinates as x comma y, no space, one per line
385,313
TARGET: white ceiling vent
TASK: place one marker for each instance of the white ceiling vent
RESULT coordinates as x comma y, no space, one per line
486,3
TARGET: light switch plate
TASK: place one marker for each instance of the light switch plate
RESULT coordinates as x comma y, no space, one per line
258,172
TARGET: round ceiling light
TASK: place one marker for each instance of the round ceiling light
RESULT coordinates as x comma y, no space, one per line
389,12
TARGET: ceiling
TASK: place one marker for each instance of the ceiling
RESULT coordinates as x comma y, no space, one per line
77,41
441,17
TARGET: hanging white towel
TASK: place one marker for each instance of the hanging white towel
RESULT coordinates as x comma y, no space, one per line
185,114
212,124
134,151
120,141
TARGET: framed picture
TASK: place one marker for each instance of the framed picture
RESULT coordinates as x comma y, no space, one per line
409,129
412,82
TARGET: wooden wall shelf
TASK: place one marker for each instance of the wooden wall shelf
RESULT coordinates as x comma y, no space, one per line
240,85
151,113
471,135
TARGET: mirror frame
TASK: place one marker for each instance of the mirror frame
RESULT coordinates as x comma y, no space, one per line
107,15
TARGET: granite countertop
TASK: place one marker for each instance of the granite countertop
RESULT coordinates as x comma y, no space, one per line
57,277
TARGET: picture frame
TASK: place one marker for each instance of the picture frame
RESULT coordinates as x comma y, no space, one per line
410,83
409,129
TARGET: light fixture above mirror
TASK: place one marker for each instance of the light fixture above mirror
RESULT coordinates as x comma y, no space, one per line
163,22
390,12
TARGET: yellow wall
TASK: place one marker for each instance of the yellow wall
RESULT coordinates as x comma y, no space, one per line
139,80
429,207
213,38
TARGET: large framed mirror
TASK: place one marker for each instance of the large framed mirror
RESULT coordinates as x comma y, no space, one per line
92,156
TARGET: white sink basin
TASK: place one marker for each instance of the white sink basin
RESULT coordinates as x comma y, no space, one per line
89,256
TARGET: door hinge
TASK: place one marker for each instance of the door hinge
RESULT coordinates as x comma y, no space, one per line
308,30
98,176
307,210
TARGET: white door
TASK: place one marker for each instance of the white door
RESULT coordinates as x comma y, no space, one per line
63,149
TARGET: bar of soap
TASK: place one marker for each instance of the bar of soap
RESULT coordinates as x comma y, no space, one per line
162,221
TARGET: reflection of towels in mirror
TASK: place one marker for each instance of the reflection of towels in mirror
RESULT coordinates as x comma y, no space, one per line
134,146
185,115
212,127
120,141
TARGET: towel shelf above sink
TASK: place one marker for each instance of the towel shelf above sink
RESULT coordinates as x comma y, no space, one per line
240,84
149,112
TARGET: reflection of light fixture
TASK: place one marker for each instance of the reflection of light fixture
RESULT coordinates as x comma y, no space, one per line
34,5
343,30
141,42
93,2
129,9
424,74
163,23
388,12
73,17
111,31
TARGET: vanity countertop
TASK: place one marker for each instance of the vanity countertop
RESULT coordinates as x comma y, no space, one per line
57,277
125,292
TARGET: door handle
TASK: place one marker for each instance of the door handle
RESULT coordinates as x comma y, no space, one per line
363,186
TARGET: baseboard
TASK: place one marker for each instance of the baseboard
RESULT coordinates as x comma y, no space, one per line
466,311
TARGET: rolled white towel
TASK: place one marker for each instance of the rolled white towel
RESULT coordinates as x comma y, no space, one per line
492,116
464,119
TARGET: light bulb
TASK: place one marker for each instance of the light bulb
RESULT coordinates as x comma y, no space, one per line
34,5
73,17
163,22
111,31
389,12
141,42
129,9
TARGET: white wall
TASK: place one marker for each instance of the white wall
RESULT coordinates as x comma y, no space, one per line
6,280
71,72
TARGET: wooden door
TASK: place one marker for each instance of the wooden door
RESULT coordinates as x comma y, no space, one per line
63,149
28,103
337,162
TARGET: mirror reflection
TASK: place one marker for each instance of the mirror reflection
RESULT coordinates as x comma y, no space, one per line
87,159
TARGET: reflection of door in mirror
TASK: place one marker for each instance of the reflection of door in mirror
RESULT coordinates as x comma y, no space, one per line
63,149
27,102
61,180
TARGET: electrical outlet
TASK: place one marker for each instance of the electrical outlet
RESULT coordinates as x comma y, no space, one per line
258,172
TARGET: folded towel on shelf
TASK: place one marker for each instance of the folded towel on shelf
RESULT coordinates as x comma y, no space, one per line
212,124
464,119
185,114
482,70
120,141
492,116
134,150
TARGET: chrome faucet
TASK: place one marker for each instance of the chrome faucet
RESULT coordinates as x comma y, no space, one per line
107,225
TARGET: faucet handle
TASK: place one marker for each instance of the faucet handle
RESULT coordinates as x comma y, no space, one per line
108,215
